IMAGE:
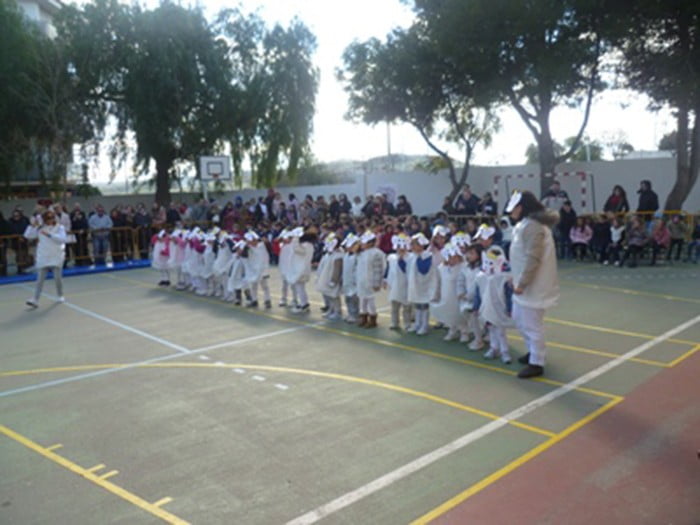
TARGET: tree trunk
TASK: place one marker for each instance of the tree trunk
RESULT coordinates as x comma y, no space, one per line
687,162
163,167
547,157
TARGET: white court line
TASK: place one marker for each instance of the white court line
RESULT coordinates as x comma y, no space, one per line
123,326
431,457
79,377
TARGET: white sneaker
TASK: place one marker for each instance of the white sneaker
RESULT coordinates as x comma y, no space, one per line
32,303
476,345
335,316
464,338
505,358
411,329
61,299
492,353
422,331
605,263
282,304
451,336
350,319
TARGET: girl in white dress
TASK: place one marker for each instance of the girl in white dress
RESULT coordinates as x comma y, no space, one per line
422,282
351,245
370,273
445,306
397,282
328,277
160,256
50,252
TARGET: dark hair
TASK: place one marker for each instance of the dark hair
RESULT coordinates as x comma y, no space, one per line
530,204
622,190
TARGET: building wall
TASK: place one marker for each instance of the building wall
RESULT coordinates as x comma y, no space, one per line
426,191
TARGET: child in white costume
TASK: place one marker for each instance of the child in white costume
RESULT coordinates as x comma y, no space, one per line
422,282
466,293
351,244
445,306
236,277
257,270
190,259
285,257
328,277
222,263
160,255
370,273
206,274
495,292
396,281
177,254
300,266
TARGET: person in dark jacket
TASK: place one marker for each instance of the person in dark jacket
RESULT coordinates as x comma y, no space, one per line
488,206
601,239
79,226
648,200
173,215
18,223
617,202
118,236
4,244
467,203
563,229
403,207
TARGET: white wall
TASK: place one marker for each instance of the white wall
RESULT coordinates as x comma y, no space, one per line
426,191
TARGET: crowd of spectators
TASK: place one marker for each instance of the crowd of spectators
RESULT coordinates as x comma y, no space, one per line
125,231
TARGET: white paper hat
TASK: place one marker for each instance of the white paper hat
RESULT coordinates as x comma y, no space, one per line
441,230
368,236
297,232
401,242
461,239
485,232
162,233
420,239
251,236
514,200
350,240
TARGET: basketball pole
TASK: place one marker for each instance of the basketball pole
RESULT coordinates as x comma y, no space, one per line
205,191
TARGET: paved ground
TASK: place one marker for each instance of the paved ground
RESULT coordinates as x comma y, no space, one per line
168,406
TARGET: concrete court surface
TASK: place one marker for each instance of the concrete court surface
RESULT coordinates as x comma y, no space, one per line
133,404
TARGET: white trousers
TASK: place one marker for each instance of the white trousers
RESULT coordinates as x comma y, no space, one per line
301,294
368,306
530,323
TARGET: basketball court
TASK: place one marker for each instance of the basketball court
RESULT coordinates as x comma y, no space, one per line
131,403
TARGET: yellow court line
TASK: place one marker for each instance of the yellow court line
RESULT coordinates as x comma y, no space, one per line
510,467
96,468
383,342
600,353
628,291
163,501
685,356
54,447
615,331
106,485
109,474
330,375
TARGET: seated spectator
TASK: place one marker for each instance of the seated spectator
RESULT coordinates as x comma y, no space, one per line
637,239
601,239
403,207
678,229
467,203
567,220
488,206
580,236
694,244
660,239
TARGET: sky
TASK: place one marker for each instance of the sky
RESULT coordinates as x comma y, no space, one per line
337,23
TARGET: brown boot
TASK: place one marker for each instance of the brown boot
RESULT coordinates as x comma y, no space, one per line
362,321
371,321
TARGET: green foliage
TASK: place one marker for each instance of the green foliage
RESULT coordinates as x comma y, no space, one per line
668,142
406,79
275,88
661,52
535,55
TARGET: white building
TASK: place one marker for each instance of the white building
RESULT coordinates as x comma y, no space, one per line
42,13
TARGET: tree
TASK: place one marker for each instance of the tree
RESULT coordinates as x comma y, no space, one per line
534,55
275,85
669,141
661,49
532,153
16,115
405,80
